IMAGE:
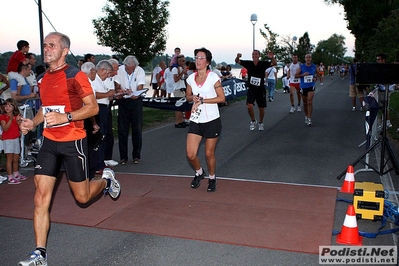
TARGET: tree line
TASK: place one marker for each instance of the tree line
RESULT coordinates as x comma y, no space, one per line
72,60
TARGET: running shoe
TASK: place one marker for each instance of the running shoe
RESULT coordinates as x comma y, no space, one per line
353,108
3,178
21,177
136,160
306,120
252,125
389,125
13,181
197,179
309,122
35,259
110,163
292,110
299,108
211,185
115,187
261,127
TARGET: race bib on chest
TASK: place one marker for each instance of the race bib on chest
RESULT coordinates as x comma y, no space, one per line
53,108
255,81
308,79
295,81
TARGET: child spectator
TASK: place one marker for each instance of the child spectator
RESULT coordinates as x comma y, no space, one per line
173,61
2,178
12,146
16,58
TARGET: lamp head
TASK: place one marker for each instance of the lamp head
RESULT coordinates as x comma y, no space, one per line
254,19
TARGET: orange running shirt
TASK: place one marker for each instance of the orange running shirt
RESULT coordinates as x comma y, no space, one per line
66,88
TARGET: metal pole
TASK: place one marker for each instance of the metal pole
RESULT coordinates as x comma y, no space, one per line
253,42
254,19
41,31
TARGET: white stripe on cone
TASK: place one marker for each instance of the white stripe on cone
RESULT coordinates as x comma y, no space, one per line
350,221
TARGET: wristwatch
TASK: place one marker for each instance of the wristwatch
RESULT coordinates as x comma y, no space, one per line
69,116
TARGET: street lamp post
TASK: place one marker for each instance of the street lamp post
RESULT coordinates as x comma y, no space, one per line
322,50
254,19
294,44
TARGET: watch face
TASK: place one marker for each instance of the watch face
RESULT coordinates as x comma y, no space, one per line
69,116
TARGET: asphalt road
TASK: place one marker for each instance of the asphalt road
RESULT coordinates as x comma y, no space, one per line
286,151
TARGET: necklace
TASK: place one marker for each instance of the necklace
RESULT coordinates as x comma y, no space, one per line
58,67
201,79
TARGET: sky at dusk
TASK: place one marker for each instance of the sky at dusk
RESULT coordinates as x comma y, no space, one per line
223,27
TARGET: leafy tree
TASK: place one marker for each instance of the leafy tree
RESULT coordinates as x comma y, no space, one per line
332,50
363,18
287,49
271,43
328,50
385,38
304,46
134,27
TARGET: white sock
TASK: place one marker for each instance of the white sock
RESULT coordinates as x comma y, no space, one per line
212,176
199,171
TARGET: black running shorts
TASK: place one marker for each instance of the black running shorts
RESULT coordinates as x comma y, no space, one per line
258,95
305,91
72,155
207,130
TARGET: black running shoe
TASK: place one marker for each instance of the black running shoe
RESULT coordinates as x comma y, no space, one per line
211,185
197,180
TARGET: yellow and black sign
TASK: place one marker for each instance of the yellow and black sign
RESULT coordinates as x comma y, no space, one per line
368,200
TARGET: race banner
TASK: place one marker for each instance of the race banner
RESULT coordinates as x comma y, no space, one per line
233,88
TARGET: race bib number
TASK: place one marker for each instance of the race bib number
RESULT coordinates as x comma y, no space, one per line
308,79
53,108
295,81
195,115
255,81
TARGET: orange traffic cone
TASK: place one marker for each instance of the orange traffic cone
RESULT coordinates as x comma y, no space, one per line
349,183
349,232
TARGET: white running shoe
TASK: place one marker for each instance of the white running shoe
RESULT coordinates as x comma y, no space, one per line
115,187
309,122
299,108
3,178
111,163
292,110
35,259
252,125
306,120
261,127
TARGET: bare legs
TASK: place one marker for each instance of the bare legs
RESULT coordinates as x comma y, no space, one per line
82,191
193,142
250,108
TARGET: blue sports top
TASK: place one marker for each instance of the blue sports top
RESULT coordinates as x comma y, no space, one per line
307,81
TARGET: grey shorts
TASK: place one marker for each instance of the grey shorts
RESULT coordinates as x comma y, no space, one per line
12,146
